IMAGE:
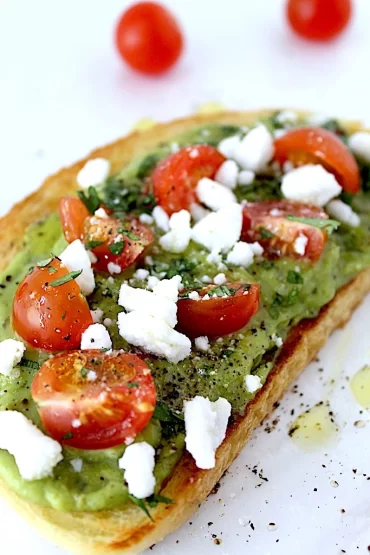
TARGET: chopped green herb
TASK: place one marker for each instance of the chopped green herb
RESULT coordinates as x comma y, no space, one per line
141,504
44,263
84,371
294,277
68,435
91,200
265,233
147,165
27,363
127,197
116,248
64,315
179,267
51,270
154,499
327,225
221,291
93,244
132,384
129,234
30,270
274,309
171,422
291,298
65,279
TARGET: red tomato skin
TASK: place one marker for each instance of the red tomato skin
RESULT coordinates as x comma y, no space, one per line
316,145
257,215
107,410
149,38
319,19
175,178
50,318
216,317
73,214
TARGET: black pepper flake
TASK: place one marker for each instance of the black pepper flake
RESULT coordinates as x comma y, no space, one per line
252,525
210,523
217,541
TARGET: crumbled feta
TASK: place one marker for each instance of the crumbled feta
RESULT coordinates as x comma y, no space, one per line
220,279
138,462
76,464
194,296
205,426
359,143
220,230
101,213
198,212
241,254
257,249
75,257
169,288
11,352
246,177
35,453
161,218
310,183
174,147
343,213
76,423
141,274
146,219
108,322
142,300
202,343
228,146
288,166
227,174
97,315
214,257
206,279
300,244
92,257
255,150
94,172
153,335
96,336
278,133
114,268
148,261
152,282
194,153
177,239
213,194
286,116
252,383
278,340
91,376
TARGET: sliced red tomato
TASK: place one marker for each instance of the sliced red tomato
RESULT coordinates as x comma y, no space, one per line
120,243
73,214
48,315
175,178
266,223
319,19
225,311
94,400
318,146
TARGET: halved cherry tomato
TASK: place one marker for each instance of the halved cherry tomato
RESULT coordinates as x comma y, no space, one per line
121,242
266,223
94,400
149,38
73,213
319,146
175,178
50,317
319,19
215,316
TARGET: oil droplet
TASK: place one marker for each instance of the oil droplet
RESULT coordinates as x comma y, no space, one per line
360,385
144,124
210,108
315,428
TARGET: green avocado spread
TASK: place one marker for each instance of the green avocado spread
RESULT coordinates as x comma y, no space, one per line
291,290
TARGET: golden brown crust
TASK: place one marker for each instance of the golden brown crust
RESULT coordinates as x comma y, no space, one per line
127,530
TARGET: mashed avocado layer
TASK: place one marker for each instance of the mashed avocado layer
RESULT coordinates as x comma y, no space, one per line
290,291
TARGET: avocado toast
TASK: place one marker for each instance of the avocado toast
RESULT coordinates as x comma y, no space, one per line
91,514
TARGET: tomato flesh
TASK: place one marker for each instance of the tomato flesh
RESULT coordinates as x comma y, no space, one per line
175,178
149,38
315,145
218,316
266,223
319,19
73,213
94,400
51,318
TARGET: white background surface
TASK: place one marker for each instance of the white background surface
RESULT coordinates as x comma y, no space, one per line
64,91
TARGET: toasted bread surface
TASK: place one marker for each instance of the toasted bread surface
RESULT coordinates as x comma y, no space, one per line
127,529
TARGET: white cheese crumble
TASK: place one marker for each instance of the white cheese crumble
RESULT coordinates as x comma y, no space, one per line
219,231
205,426
146,219
255,150
76,464
97,315
161,218
278,340
148,302
213,194
246,177
152,281
252,383
228,146
169,288
241,255
310,183
194,295
198,212
359,143
138,462
343,212
141,274
286,116
96,336
220,279
35,453
178,237
101,213
206,279
202,343
75,257
257,249
94,172
114,268
300,244
91,376
227,174
11,352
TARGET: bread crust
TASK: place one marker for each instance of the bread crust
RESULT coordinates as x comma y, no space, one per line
127,530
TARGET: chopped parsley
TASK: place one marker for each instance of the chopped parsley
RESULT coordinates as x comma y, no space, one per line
294,277
90,199
327,225
171,422
68,435
51,270
65,279
93,244
141,504
128,234
116,248
44,263
84,371
222,291
132,384
130,198
27,363
265,233
154,499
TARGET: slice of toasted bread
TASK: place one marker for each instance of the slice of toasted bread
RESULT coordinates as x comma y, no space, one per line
127,529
